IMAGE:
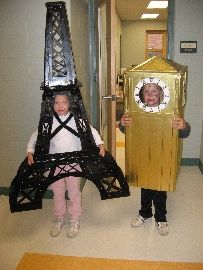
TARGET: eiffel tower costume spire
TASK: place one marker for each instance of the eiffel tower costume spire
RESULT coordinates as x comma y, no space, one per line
30,183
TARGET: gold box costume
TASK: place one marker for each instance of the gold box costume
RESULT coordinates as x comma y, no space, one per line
153,148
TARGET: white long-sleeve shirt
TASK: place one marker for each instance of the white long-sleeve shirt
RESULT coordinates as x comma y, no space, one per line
64,140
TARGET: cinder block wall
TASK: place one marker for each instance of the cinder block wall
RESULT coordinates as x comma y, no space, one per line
188,27
201,147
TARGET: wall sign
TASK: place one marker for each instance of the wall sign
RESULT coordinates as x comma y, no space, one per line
188,47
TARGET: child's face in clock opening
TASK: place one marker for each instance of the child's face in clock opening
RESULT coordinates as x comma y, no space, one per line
152,94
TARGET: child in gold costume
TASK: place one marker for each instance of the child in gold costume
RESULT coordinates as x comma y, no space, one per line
149,196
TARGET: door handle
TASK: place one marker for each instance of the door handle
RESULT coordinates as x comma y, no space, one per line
111,97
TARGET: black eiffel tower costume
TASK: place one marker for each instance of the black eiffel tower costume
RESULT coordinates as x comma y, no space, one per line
30,183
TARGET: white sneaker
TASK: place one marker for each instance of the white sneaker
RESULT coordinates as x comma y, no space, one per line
139,221
73,228
162,228
56,229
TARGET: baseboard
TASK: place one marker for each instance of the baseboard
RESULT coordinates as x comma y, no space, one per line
190,161
200,166
4,191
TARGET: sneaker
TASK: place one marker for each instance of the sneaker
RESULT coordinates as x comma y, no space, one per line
56,229
139,221
73,228
162,228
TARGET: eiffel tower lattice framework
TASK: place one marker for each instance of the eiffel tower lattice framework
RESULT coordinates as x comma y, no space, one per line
29,185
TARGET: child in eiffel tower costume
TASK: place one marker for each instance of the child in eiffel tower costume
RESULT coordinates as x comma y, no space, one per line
65,145
65,140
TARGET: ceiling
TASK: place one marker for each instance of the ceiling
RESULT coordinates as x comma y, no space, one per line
133,9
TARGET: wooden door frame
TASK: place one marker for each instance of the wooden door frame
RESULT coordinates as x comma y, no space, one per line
111,76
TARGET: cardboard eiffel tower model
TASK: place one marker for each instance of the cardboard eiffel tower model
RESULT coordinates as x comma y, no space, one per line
153,148
28,187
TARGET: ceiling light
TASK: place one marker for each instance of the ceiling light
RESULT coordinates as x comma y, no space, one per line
149,16
158,4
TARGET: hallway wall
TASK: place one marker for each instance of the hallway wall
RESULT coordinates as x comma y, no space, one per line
201,147
188,27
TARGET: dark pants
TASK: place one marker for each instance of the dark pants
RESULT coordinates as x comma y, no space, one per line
159,200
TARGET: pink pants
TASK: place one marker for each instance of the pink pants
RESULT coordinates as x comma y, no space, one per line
72,185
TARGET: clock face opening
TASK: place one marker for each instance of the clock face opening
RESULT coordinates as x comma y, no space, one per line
152,95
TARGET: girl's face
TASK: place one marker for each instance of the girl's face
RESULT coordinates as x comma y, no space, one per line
61,105
152,94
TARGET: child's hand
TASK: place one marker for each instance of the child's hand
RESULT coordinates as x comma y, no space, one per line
125,120
101,150
179,123
30,159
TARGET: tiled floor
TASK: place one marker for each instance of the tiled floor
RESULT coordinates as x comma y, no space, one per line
105,227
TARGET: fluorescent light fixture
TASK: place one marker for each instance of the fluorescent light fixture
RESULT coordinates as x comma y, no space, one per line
158,4
149,16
